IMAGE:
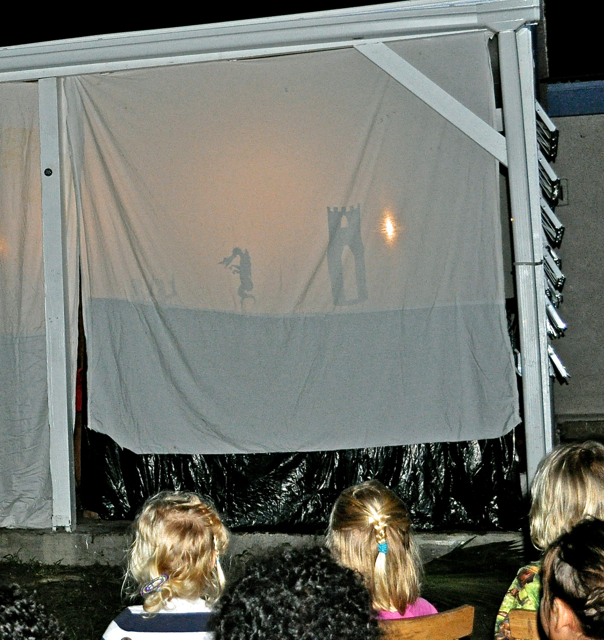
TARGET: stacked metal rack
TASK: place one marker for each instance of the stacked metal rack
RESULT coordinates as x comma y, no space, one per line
551,193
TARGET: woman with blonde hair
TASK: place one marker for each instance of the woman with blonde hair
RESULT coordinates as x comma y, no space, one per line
370,532
174,562
568,487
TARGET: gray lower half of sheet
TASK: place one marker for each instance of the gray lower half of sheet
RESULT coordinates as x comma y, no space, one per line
167,380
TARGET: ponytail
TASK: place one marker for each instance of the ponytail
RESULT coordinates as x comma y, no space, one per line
370,532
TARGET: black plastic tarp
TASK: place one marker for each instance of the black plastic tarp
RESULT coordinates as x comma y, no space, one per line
460,485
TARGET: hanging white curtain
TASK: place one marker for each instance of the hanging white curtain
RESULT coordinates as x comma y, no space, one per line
291,253
25,490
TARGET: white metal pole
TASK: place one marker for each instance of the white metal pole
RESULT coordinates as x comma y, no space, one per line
527,86
59,410
521,135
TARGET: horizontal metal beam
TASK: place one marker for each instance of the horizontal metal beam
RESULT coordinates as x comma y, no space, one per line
436,98
174,46
146,63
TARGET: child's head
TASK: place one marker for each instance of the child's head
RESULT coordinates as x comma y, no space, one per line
568,486
572,605
295,594
176,550
370,532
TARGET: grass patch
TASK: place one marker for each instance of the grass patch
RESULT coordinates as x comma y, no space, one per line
83,599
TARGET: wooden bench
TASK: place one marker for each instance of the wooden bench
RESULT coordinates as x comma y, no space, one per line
524,625
448,625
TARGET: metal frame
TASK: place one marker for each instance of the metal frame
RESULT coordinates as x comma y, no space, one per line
436,98
56,308
367,29
265,36
517,85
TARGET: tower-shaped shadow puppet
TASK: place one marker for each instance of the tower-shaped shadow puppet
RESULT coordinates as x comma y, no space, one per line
345,231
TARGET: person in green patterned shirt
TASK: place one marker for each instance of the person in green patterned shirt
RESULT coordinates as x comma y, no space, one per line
568,487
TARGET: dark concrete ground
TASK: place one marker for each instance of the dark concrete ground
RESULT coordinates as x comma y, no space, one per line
86,598
478,575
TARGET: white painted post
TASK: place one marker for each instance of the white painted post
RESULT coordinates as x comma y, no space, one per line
55,285
518,101
527,86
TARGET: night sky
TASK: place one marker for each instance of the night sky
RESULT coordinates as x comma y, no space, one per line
569,40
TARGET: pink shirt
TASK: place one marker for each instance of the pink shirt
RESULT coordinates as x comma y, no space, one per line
419,608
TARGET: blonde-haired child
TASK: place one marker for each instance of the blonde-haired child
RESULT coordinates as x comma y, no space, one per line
370,532
568,487
175,563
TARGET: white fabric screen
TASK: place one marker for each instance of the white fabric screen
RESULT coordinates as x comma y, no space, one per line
25,489
290,253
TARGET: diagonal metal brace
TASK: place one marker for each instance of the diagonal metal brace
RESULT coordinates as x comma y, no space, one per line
436,98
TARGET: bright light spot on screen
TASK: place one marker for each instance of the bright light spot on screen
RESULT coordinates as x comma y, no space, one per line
389,227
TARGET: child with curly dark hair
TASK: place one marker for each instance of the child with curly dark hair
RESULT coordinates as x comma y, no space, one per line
296,595
572,606
22,618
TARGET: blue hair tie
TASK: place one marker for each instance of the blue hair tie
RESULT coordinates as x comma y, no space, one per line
383,547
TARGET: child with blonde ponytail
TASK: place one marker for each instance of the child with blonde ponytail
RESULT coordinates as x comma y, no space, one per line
174,562
370,532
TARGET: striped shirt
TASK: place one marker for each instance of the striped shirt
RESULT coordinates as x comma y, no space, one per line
180,620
